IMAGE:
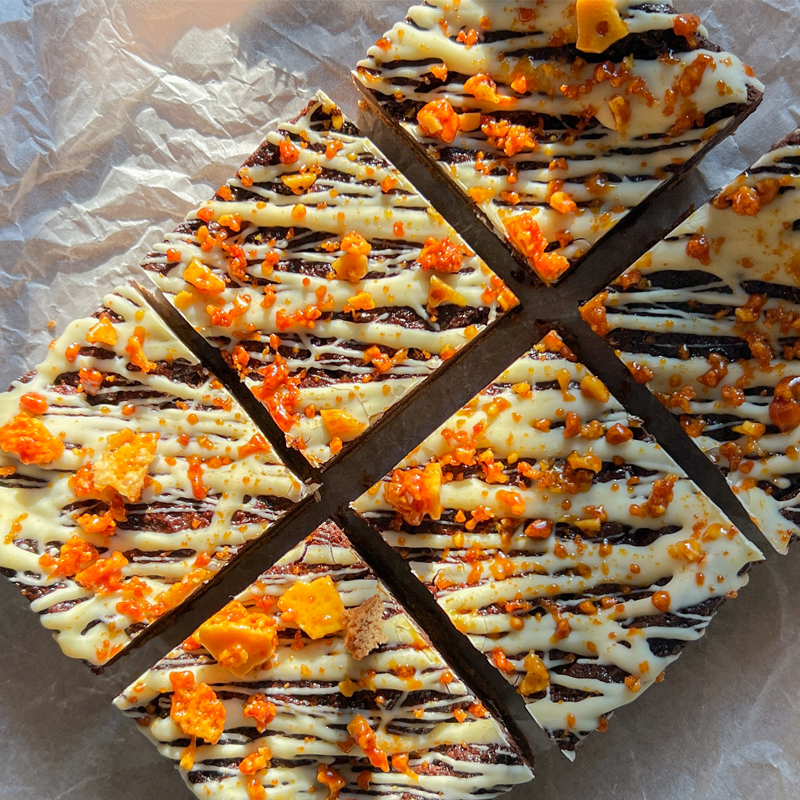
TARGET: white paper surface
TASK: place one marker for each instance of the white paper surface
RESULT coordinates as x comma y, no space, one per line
115,117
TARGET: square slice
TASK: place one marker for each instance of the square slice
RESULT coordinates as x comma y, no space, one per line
128,479
556,119
709,320
328,282
315,683
561,539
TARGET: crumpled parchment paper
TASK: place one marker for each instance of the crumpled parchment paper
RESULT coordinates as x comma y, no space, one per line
115,117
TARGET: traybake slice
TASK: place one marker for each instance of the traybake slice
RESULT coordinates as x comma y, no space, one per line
128,479
561,539
315,683
709,320
556,119
327,281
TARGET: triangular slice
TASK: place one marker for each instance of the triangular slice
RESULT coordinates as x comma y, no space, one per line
128,478
709,319
561,539
329,283
315,683
556,119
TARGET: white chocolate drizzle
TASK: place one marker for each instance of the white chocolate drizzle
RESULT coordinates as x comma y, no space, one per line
408,694
170,534
585,598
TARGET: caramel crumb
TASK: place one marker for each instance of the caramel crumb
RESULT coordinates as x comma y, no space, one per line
363,627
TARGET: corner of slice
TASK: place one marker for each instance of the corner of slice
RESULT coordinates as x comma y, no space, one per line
128,478
556,119
315,683
709,320
562,540
329,283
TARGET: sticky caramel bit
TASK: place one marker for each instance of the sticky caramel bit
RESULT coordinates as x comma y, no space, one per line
553,343
620,108
315,607
105,576
482,87
287,152
662,601
74,555
747,201
593,388
261,710
442,255
661,496
694,426
361,301
300,182
279,392
759,347
441,293
363,627
732,395
105,523
125,461
240,639
102,333
252,764
30,440
599,25
692,75
341,424
618,434
689,550
563,203
509,138
203,279
195,708
359,728
686,25
352,265
537,678
82,482
439,119
331,780
524,233
699,247
594,314
539,529
415,492
717,372
256,444
33,403
733,453
784,410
